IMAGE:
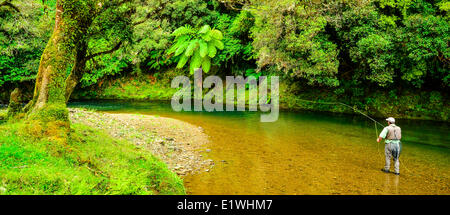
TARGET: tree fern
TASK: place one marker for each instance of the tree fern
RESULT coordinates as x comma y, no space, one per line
203,48
197,47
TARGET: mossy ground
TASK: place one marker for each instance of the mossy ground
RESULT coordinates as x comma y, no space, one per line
136,87
3,114
90,162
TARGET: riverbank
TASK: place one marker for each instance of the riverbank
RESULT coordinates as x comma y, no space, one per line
105,154
178,144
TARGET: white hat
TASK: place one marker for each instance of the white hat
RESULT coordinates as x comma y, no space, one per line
391,120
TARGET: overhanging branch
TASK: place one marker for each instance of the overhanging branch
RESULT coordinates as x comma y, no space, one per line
105,52
7,3
143,20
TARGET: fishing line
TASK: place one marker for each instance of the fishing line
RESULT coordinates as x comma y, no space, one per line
356,110
346,105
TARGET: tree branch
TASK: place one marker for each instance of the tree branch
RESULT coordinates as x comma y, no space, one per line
7,3
104,52
143,20
234,4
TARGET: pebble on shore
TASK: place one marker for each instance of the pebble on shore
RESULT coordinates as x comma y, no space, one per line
177,143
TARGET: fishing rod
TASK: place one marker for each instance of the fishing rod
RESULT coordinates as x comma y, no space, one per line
358,111
346,105
354,109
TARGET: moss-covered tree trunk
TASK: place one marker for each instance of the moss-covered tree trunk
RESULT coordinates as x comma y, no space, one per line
77,70
15,102
49,100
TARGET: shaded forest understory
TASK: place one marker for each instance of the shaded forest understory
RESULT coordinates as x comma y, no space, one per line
383,57
405,104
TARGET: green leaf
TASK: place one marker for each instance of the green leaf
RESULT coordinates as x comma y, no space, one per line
179,31
184,30
216,34
181,48
178,42
196,62
204,29
172,49
182,61
203,48
218,44
191,48
211,50
206,37
191,69
206,64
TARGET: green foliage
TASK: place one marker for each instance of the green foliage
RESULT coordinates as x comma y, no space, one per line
382,42
3,114
393,42
377,44
156,60
411,104
401,5
91,162
252,73
237,54
291,36
133,87
23,36
373,54
101,67
144,27
107,26
196,46
426,40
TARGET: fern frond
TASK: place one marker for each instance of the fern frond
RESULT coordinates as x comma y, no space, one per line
206,64
182,62
205,29
211,50
203,48
191,48
216,34
218,44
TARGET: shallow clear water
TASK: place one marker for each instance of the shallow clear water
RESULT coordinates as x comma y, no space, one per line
306,153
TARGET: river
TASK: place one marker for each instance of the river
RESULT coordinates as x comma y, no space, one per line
306,152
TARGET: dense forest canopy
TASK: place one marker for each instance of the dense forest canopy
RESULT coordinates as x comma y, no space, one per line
325,44
377,58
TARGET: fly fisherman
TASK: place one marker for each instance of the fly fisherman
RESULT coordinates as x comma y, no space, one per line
392,133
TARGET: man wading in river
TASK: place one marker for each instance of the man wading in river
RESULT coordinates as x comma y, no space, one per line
392,134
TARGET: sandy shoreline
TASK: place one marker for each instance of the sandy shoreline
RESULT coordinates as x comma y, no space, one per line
179,144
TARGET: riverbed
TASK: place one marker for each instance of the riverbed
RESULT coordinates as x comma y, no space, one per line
306,152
